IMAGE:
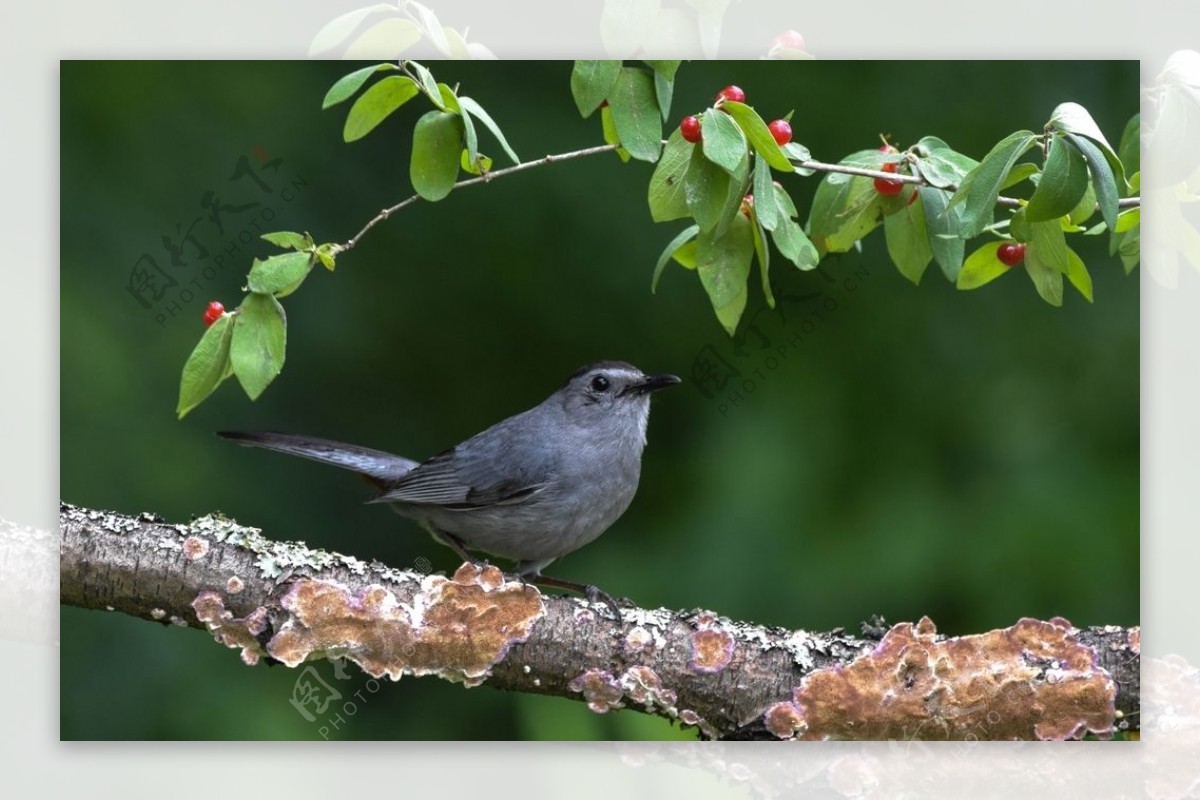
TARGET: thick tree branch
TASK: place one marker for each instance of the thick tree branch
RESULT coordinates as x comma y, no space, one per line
287,602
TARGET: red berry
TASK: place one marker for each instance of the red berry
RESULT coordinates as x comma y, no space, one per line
781,130
788,40
213,312
886,148
733,93
885,187
689,127
1011,253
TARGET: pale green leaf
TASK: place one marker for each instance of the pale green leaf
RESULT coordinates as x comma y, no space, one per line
206,367
683,237
592,82
259,342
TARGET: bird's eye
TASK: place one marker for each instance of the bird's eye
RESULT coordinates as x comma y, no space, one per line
600,384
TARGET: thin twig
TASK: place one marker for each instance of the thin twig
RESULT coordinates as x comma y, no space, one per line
1010,202
485,178
818,166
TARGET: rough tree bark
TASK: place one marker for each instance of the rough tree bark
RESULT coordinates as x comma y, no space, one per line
286,602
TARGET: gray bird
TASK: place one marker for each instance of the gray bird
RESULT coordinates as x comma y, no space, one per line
531,488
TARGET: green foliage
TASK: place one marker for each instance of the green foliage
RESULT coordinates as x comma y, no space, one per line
955,199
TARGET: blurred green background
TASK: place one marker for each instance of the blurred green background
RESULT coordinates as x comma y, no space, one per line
971,456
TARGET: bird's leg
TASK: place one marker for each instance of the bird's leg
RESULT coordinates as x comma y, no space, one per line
590,591
455,544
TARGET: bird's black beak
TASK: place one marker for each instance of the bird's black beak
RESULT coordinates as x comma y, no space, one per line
651,383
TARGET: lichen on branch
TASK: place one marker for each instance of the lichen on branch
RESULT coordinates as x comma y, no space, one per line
291,604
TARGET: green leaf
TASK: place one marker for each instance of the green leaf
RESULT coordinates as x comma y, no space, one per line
289,239
1078,275
437,142
1072,118
664,89
705,188
592,82
1130,149
756,131
766,210
347,85
908,241
843,212
205,369
609,129
667,197
1048,245
470,138
1047,280
280,275
683,237
1064,182
327,255
980,187
723,263
784,201
981,267
483,163
1020,172
1103,181
1128,220
259,341
449,99
1129,248
635,113
763,253
798,152
685,256
665,68
794,245
723,142
375,104
739,186
1085,208
942,223
940,164
470,106
428,84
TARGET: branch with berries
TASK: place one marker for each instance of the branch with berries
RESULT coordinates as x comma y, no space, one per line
718,171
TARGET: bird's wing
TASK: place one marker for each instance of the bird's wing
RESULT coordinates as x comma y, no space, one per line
478,473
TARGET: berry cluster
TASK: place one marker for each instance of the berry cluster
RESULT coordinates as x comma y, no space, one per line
689,126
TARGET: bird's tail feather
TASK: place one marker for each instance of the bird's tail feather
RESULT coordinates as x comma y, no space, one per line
379,467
